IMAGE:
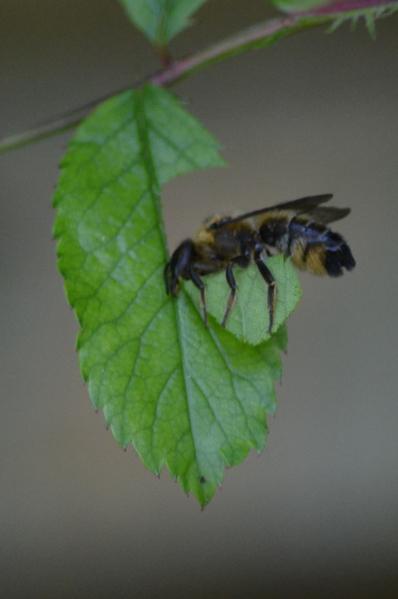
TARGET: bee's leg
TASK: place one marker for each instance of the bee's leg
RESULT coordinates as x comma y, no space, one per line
270,281
197,281
231,299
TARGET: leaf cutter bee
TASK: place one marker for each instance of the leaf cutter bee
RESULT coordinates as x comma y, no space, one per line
296,229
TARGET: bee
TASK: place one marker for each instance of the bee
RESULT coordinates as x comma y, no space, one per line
297,229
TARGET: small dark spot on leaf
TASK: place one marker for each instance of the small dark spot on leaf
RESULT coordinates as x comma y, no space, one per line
202,480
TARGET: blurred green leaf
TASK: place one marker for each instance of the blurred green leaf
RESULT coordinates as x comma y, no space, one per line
368,15
249,318
186,397
161,20
341,13
292,6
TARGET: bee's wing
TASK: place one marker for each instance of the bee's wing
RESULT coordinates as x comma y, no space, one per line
303,205
327,214
306,204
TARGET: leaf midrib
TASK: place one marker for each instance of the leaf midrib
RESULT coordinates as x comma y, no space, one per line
143,121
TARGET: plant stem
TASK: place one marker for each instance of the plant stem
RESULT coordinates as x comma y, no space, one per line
165,56
177,70
256,37
261,35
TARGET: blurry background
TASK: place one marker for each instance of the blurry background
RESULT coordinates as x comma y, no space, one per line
316,514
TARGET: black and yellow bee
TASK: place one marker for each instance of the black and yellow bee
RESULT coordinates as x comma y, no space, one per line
296,229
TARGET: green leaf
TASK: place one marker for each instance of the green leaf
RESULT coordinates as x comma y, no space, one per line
249,318
292,6
161,20
369,15
186,397
341,14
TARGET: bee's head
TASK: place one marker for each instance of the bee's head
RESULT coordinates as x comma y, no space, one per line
178,266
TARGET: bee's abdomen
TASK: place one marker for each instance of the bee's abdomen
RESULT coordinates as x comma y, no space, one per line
338,256
321,251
